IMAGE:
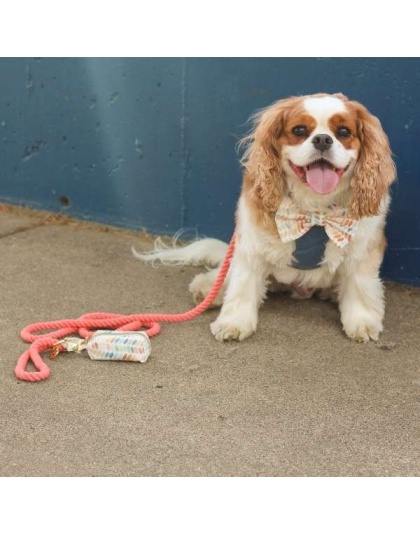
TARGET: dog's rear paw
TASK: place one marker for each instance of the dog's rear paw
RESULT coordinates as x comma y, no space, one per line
201,285
230,331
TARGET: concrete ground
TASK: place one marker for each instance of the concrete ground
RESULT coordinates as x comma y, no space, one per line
296,399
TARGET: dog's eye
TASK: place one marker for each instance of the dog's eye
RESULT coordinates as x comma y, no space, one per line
300,131
343,132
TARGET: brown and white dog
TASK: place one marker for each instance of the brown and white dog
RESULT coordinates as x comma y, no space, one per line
319,161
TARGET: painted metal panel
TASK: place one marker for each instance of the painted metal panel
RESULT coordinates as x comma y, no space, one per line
100,137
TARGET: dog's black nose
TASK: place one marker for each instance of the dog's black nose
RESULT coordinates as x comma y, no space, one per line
322,142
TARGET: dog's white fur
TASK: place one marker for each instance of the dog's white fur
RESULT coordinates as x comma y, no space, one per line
351,273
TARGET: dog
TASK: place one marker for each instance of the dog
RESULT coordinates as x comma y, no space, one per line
310,217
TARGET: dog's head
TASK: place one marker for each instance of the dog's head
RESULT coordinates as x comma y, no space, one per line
319,147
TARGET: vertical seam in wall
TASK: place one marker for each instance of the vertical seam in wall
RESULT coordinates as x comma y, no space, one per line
184,152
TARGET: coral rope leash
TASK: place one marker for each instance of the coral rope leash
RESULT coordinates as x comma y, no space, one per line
86,324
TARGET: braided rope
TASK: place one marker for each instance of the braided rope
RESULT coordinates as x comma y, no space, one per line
109,321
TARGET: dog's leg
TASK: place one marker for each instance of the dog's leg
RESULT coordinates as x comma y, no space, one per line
361,298
246,289
203,283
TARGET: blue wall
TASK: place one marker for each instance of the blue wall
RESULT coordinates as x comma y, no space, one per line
150,142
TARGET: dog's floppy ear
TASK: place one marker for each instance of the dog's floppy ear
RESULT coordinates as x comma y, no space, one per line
262,159
375,170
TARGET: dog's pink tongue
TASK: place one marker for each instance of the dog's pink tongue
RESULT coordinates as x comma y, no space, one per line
321,178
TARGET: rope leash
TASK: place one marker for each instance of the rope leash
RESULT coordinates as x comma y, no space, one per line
85,325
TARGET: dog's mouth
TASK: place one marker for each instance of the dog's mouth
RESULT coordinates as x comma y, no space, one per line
321,176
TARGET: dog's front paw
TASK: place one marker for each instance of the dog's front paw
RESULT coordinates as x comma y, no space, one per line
363,332
225,330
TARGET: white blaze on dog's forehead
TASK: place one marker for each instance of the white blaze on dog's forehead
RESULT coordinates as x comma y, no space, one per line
323,107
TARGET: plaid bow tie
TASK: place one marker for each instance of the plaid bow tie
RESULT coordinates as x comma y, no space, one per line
293,223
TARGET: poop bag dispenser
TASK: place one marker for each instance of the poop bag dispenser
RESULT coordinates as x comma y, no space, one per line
109,345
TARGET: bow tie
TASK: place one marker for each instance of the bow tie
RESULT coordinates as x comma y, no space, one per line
293,223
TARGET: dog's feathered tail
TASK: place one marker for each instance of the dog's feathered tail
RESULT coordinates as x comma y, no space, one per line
209,252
